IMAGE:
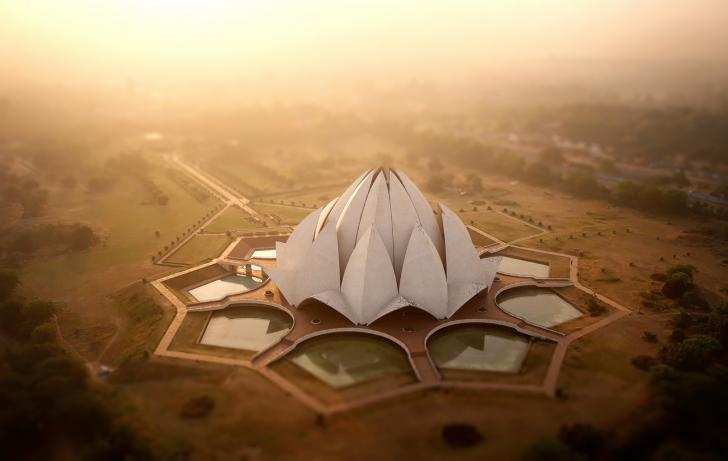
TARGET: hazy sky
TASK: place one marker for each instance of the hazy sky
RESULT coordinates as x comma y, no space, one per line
168,39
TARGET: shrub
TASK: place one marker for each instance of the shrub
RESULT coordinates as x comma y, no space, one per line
677,335
551,450
643,362
582,438
676,285
693,299
595,308
8,283
461,435
649,337
43,333
695,352
197,407
686,269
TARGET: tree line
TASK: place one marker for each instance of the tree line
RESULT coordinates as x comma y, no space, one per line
47,398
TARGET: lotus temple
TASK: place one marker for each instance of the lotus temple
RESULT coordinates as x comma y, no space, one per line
379,294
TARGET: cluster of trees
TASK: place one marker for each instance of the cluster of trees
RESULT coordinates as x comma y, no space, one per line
47,400
198,192
685,416
22,190
549,170
650,197
67,237
137,166
689,391
654,134
677,286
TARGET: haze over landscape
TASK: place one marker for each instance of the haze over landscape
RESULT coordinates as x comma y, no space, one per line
313,229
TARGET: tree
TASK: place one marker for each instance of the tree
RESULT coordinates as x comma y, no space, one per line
37,312
551,450
582,438
687,269
475,182
82,238
8,283
43,333
696,352
676,285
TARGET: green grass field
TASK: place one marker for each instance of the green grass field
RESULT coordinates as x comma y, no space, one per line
287,214
319,196
494,223
126,223
233,219
198,248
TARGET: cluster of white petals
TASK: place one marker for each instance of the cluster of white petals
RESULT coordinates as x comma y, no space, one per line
380,247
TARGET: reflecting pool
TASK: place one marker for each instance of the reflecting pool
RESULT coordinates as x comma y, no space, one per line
226,286
540,306
251,328
479,347
342,360
521,267
264,254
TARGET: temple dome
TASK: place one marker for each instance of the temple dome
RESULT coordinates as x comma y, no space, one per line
380,247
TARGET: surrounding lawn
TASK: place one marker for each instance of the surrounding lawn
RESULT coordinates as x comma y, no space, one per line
126,223
287,214
199,248
318,196
480,240
126,220
498,225
142,322
233,219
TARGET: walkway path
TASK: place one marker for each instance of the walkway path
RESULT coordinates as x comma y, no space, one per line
231,198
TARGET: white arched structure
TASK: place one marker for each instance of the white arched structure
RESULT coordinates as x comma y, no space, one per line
380,247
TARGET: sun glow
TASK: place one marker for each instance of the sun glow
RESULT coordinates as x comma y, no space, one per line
173,38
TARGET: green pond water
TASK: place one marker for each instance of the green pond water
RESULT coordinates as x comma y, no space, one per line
515,266
250,328
539,306
342,360
480,348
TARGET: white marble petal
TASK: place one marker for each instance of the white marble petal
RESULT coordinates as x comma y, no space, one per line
323,217
347,226
369,284
424,212
460,293
321,271
299,242
462,263
423,281
377,213
344,198
404,219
